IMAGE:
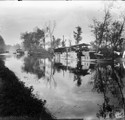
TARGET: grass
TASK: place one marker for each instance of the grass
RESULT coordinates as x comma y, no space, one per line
17,100
17,118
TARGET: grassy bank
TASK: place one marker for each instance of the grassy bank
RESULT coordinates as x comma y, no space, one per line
18,118
17,100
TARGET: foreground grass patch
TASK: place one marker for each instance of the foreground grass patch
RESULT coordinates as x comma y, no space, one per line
18,100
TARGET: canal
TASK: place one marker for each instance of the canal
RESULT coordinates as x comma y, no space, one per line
70,89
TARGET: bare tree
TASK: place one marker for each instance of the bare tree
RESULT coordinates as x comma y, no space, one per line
50,27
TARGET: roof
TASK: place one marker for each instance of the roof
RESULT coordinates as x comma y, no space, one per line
72,48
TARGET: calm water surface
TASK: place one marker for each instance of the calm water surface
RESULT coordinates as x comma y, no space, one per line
72,89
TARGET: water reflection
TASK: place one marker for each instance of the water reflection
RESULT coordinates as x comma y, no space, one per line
46,68
79,71
109,81
34,65
16,99
103,98
19,56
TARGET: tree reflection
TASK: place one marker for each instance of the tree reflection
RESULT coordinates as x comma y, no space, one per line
50,74
34,65
78,79
46,68
78,71
16,99
108,80
37,66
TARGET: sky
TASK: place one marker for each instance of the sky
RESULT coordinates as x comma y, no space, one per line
19,17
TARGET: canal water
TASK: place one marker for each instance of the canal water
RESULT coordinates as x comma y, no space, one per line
71,89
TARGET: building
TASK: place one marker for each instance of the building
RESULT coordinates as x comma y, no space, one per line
73,52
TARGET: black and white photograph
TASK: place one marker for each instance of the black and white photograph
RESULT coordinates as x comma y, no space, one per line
62,60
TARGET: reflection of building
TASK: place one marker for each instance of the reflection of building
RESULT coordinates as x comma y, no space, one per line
73,63
76,67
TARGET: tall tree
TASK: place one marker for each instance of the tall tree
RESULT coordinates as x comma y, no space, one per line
50,27
77,34
100,29
33,40
56,42
108,34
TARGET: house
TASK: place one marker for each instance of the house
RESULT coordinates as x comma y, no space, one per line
77,52
73,52
91,56
88,56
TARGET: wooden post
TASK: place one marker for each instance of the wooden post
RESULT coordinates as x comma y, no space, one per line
59,57
67,57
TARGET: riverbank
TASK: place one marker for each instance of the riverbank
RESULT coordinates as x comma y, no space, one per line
18,100
18,118
40,52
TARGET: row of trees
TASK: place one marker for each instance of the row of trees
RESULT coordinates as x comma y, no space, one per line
5,48
2,45
108,35
37,38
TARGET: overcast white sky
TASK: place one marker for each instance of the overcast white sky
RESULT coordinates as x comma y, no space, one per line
17,17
